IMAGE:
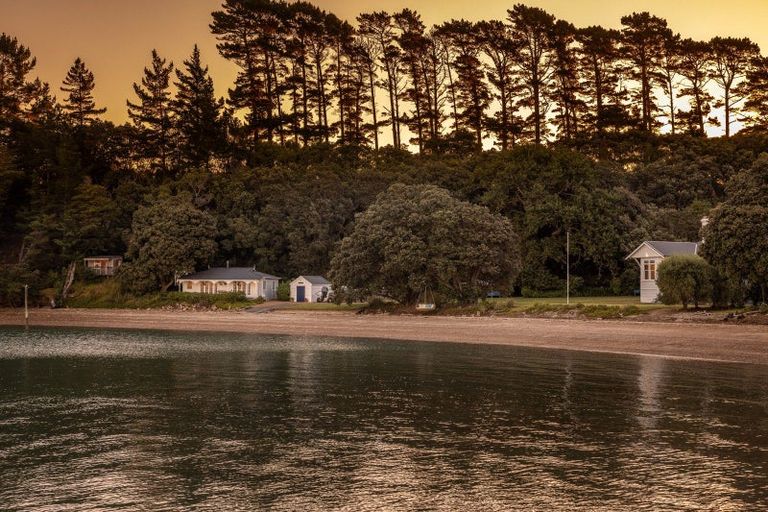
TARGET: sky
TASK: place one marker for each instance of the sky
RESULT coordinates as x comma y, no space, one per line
115,37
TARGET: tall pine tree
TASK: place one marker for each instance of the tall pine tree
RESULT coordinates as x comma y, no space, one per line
79,103
199,124
152,114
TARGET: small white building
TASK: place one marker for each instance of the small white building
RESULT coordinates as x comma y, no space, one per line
649,256
310,289
231,279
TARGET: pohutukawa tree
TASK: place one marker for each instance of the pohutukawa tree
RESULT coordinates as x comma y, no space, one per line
79,103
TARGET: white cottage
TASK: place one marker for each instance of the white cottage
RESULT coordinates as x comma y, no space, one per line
649,256
231,279
310,289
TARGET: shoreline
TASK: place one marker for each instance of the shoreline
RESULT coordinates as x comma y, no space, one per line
700,341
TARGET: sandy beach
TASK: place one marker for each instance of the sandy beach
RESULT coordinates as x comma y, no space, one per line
719,342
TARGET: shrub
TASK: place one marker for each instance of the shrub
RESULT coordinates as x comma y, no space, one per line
284,291
685,280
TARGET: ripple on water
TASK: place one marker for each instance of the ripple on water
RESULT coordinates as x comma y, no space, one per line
93,420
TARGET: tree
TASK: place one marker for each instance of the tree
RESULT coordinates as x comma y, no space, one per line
533,29
695,61
757,95
20,97
731,59
500,48
599,67
472,95
79,103
377,27
248,34
567,87
169,237
152,115
643,38
419,236
89,223
667,76
685,280
736,236
198,114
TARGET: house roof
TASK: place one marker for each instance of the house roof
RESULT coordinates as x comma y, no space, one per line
674,248
314,279
103,257
665,248
227,274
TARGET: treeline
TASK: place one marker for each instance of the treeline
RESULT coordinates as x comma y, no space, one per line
307,76
191,182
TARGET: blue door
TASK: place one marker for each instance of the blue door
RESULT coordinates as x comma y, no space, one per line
300,294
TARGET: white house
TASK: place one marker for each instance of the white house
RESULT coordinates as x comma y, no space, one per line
231,279
310,289
649,255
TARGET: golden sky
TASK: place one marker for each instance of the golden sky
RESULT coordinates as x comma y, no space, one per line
115,37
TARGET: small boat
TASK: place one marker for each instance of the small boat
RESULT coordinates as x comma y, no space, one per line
426,301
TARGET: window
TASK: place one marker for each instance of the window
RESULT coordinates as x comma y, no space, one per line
649,270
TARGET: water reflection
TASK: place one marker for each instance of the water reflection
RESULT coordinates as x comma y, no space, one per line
160,421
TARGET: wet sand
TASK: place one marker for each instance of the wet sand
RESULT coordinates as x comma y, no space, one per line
719,342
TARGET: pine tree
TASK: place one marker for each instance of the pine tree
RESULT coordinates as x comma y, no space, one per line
601,75
533,29
695,62
152,113
643,39
731,63
472,95
567,89
198,119
667,76
20,98
79,103
377,27
757,95
500,48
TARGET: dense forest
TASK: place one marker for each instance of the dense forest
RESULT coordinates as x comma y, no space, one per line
595,131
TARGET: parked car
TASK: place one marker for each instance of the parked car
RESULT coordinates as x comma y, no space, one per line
494,294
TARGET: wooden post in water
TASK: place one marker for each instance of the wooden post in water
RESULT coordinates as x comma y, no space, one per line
26,305
568,267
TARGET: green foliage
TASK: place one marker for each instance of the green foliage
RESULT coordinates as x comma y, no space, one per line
12,281
736,238
284,291
109,294
168,238
685,280
585,310
413,237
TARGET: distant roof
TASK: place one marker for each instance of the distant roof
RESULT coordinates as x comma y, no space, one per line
669,248
244,273
314,279
674,248
101,257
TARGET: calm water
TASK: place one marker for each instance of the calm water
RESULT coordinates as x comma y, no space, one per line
120,420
